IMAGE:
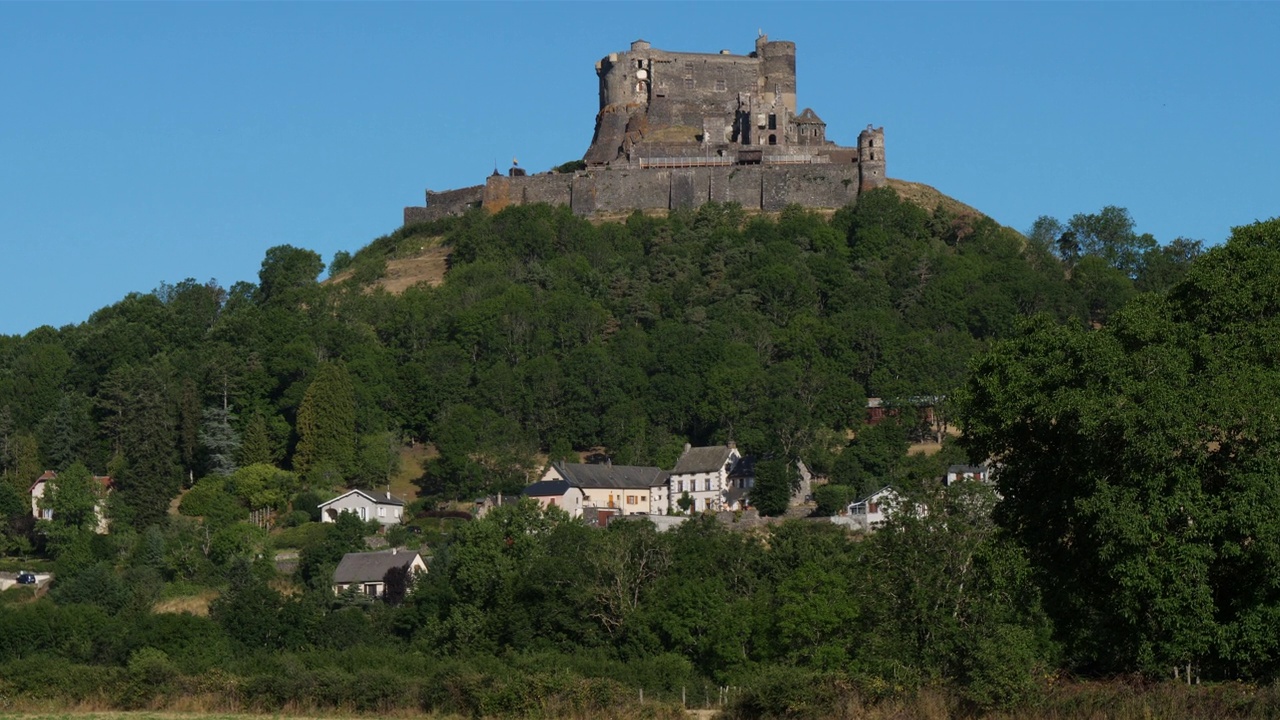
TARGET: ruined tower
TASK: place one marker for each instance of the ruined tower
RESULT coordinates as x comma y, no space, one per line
871,158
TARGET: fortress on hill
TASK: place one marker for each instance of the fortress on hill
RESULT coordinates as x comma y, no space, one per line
676,130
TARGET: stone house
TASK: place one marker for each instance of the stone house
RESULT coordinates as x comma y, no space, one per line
630,489
707,475
383,507
102,482
368,570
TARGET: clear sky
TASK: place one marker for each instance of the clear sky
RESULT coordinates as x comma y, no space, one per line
143,143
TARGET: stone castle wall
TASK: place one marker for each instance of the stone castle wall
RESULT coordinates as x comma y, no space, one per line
761,188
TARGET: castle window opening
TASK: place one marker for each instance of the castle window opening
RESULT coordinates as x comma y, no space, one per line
773,122
640,64
688,82
721,86
773,139
871,143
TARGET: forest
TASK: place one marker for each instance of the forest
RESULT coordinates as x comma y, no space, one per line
1118,384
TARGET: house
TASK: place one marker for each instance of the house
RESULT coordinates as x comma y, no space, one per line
383,507
871,511
368,570
956,473
704,474
629,489
557,493
37,491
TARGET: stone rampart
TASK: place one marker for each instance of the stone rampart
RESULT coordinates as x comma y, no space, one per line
446,204
754,187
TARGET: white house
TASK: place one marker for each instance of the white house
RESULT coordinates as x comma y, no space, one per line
630,489
557,493
871,511
104,482
366,570
712,478
383,507
956,473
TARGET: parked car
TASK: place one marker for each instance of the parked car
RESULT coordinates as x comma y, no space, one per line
26,577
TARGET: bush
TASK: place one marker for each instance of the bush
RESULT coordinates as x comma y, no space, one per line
833,499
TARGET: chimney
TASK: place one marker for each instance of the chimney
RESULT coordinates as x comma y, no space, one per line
394,550
733,445
687,446
608,461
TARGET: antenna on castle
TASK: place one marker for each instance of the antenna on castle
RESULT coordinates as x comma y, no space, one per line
759,32
515,162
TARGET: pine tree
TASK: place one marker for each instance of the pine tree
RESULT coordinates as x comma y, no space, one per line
151,476
220,439
255,444
327,422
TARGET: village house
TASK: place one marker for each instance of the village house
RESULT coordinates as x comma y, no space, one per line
630,489
557,493
871,511
103,482
710,476
368,570
383,507
956,473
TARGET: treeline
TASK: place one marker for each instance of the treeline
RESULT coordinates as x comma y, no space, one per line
550,334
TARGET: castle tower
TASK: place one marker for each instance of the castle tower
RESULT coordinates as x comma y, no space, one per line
871,173
777,73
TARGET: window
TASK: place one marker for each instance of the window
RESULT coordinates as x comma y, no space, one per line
773,122
552,501
642,499
371,589
721,86
708,484
688,82
631,499
382,512
681,486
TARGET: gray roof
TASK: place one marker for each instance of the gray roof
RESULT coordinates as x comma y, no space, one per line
611,476
961,469
547,488
371,566
379,498
702,459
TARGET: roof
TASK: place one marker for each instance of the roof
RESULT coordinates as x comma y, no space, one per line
809,117
882,492
104,480
371,566
745,467
382,499
963,469
702,459
611,476
548,488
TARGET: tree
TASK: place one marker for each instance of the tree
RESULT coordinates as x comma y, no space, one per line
1134,461
327,421
74,498
147,434
256,444
287,273
775,481
219,437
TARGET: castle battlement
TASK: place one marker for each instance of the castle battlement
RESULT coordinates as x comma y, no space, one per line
679,129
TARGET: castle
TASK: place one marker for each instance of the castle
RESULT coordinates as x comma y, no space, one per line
676,130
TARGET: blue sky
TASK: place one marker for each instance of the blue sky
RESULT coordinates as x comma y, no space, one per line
144,143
